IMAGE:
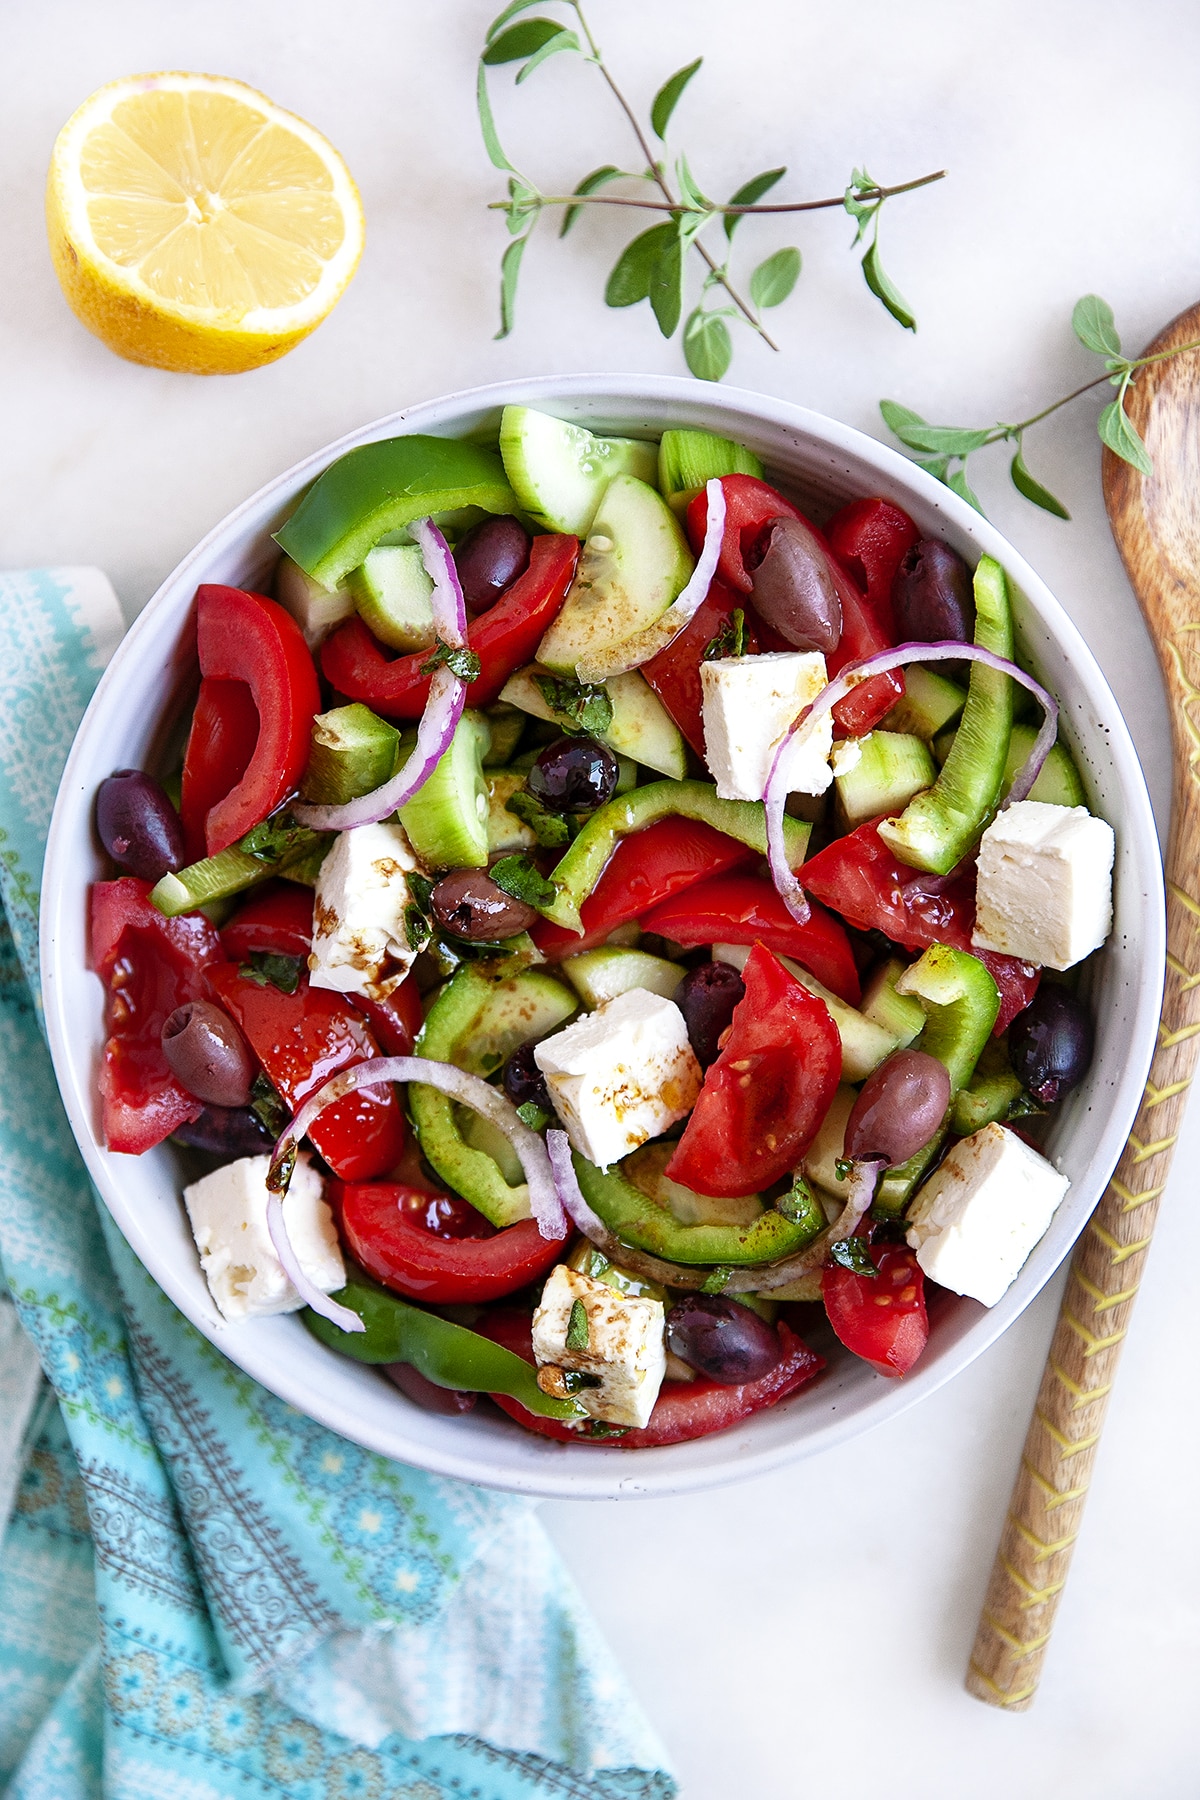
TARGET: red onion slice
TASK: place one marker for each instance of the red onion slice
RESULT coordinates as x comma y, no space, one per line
789,888
633,651
311,1295
443,708
471,1090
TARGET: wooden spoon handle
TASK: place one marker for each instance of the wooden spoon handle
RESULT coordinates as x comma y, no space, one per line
1159,538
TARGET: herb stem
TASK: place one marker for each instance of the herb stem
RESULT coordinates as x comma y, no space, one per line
675,207
1129,368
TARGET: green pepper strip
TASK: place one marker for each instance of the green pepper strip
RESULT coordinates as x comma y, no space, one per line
961,1003
989,1095
285,849
638,1221
379,488
936,830
580,869
447,1354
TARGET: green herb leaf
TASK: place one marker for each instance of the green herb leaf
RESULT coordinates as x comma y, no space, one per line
585,706
717,1282
774,279
267,1106
420,888
633,272
523,205
517,876
749,194
730,640
935,466
902,421
575,1380
417,929
510,268
510,12
550,830
688,189
1121,435
597,179
707,347
457,658
533,1115
278,839
945,440
1093,324
666,284
487,124
843,1167
803,1208
1033,490
885,289
958,484
270,968
565,40
667,97
599,1429
522,40
852,1253
577,1327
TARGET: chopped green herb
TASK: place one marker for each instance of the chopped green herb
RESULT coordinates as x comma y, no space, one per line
548,828
1024,1107
716,1282
596,1428
518,877
843,1168
416,927
802,1206
577,1327
575,1379
457,658
852,1254
491,1061
537,1118
271,968
585,707
730,640
278,839
267,1106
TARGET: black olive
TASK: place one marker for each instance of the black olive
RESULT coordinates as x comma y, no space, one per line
574,775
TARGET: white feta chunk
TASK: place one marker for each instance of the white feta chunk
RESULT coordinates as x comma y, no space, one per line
982,1211
748,704
621,1074
618,1340
1044,889
228,1214
360,945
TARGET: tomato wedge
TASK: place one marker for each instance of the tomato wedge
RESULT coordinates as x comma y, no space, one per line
674,673
683,1410
745,909
277,916
437,1248
882,1318
764,1098
870,537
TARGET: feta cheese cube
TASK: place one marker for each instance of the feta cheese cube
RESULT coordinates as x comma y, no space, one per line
982,1211
228,1214
1044,888
621,1074
619,1342
748,704
360,945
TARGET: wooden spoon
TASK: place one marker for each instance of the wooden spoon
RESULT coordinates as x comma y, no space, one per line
1156,522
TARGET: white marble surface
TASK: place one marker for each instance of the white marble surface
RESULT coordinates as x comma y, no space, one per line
806,1633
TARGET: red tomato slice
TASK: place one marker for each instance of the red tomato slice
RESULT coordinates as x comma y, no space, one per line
881,1318
149,966
220,744
870,538
683,1410
396,1020
302,1039
674,673
768,1091
645,868
277,916
504,638
438,1249
746,909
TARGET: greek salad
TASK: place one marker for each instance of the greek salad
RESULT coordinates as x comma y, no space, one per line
603,931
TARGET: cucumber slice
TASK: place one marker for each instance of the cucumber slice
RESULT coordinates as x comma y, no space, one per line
315,609
505,832
641,729
688,459
827,1148
353,752
633,564
891,768
446,820
479,1133
392,593
898,1013
865,1042
506,724
559,471
600,975
930,702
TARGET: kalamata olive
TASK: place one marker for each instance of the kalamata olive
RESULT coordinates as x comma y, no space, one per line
706,997
899,1107
932,595
138,826
207,1054
574,775
722,1339
489,558
225,1131
794,589
468,904
1050,1044
425,1393
523,1081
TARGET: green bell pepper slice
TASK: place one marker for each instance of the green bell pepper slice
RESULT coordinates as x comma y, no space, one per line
991,1094
638,1221
449,1355
381,487
576,874
961,1004
938,827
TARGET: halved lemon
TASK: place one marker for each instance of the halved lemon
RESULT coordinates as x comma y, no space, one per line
194,225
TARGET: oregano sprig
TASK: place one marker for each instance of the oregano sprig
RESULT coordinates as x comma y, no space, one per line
653,266
944,449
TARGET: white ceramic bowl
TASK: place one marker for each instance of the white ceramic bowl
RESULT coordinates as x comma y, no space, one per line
823,464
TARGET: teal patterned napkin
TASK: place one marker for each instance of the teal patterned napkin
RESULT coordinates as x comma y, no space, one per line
202,1593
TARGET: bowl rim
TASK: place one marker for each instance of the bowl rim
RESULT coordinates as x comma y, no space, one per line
608,1473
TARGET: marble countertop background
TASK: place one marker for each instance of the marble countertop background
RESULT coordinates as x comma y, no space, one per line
805,1633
